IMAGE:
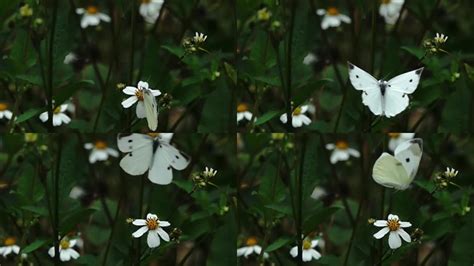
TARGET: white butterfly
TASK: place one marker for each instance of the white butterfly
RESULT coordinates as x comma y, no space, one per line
387,98
399,171
152,153
151,109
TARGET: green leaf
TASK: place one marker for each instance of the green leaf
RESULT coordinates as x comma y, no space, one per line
280,242
176,50
64,93
34,246
28,115
413,50
267,117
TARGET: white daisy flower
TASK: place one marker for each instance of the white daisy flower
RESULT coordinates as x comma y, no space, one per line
451,172
390,10
77,192
137,96
299,118
66,251
251,247
4,112
309,251
59,117
341,151
91,16
150,10
70,58
332,17
397,138
318,193
243,112
440,38
100,151
199,38
152,225
209,172
9,246
395,227
309,59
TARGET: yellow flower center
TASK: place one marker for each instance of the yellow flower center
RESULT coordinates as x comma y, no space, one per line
92,9
251,241
9,241
332,11
393,224
3,106
385,2
394,135
139,94
306,244
152,223
297,111
57,110
100,145
342,145
263,14
242,107
64,244
153,135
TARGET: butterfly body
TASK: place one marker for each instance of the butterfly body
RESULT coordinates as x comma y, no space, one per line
386,98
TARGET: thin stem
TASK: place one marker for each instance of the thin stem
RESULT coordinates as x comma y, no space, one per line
299,189
289,50
140,214
56,203
50,65
109,241
374,35
132,43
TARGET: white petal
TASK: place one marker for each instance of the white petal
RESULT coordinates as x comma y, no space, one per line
304,109
296,121
404,235
44,117
307,256
112,152
305,119
51,252
64,255
163,234
314,243
257,249
405,224
8,114
16,249
57,121
80,11
152,216
344,18
72,243
240,116
380,223
155,92
164,223
394,240
143,85
294,251
315,254
140,232
88,146
241,251
129,101
353,152
153,240
248,115
66,119
104,17
248,251
74,254
283,118
139,222
382,232
330,146
321,12
129,90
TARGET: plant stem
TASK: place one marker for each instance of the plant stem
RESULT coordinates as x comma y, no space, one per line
289,50
56,202
299,192
140,214
50,66
374,35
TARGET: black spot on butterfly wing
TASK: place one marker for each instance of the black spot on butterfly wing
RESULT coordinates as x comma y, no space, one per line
130,154
130,140
407,160
351,66
411,80
418,71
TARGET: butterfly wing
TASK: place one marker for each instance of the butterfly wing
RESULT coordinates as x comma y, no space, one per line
395,102
409,154
396,94
405,83
139,149
151,109
165,159
389,172
363,81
